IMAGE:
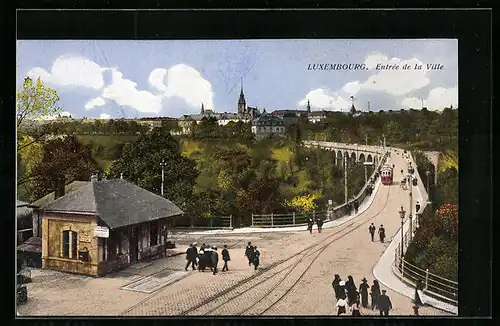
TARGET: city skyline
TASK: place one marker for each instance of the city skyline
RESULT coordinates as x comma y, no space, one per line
128,79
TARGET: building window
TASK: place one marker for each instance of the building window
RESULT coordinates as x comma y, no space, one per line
69,244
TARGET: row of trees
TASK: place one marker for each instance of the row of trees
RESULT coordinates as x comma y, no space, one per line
208,128
412,129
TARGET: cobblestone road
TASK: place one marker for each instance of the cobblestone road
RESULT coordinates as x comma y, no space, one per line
294,277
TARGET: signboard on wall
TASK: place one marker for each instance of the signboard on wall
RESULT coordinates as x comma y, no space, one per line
101,232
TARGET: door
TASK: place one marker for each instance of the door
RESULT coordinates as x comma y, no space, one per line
133,245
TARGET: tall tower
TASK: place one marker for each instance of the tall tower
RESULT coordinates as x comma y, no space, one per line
202,109
308,107
353,109
242,105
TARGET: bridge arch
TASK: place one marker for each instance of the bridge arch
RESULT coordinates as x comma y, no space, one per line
361,158
369,158
353,157
339,157
346,155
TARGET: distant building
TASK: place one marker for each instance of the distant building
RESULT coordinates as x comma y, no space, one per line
268,125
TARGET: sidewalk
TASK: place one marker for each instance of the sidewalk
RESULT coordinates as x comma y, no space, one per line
331,224
383,270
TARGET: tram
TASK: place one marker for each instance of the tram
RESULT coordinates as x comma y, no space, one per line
386,174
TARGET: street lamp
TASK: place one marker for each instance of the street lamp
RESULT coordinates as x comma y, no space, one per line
345,177
402,215
428,174
162,164
411,170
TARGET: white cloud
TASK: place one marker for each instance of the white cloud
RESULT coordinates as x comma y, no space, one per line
437,99
184,82
398,82
352,87
124,92
73,71
104,116
95,102
373,58
322,99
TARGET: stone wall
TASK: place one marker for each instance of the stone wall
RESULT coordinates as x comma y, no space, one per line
53,226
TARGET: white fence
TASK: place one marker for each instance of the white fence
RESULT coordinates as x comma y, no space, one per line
276,220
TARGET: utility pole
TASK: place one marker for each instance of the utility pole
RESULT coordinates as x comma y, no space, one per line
366,140
384,140
369,106
345,178
162,164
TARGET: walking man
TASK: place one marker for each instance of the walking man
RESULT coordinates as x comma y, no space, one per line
319,223
355,207
417,207
190,257
375,294
249,253
371,229
384,304
225,258
256,257
363,288
310,224
381,233
215,259
336,286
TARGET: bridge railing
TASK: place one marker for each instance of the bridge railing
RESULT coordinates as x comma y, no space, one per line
435,286
276,220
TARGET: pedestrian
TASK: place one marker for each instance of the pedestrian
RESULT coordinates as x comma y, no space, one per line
375,293
310,224
341,306
351,290
203,246
208,258
190,257
418,287
363,288
381,233
202,261
195,250
384,304
249,253
256,257
319,223
372,229
342,290
355,207
415,310
336,286
215,259
225,258
417,207
355,309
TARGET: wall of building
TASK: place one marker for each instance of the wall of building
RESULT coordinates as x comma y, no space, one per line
52,256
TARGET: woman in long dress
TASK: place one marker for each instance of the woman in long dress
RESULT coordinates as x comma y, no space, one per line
375,293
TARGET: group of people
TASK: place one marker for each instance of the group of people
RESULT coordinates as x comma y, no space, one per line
348,296
253,255
319,223
207,256
381,232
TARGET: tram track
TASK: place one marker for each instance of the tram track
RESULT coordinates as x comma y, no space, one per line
302,254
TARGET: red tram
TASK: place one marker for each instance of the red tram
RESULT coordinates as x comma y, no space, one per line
386,174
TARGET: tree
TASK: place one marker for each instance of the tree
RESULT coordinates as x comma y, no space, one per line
64,158
140,162
34,101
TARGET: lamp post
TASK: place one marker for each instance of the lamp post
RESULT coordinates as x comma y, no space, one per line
411,170
402,216
162,164
428,174
345,178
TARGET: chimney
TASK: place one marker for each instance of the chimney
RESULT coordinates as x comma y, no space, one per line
60,186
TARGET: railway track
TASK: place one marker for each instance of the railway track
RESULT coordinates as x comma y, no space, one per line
215,304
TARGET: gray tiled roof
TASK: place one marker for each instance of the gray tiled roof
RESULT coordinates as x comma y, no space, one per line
46,200
117,202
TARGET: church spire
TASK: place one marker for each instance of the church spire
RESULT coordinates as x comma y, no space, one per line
308,107
242,105
202,109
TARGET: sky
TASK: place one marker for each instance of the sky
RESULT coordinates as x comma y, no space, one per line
129,78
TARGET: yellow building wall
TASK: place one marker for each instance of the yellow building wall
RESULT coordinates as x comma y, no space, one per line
52,228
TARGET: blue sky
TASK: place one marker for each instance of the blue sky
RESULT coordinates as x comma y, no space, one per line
111,78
